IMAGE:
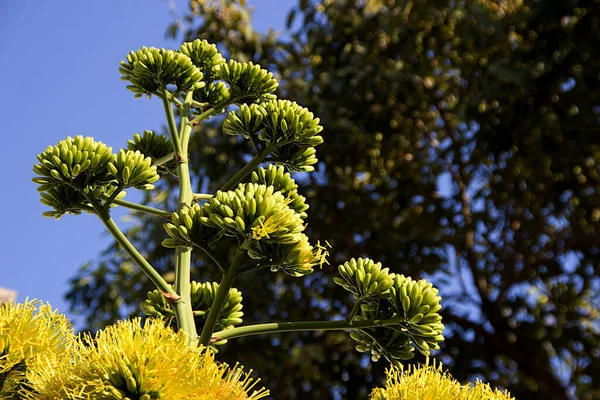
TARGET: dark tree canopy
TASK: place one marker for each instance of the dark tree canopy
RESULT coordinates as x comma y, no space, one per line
462,143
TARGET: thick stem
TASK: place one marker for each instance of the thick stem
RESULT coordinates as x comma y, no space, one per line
220,298
183,259
255,162
278,327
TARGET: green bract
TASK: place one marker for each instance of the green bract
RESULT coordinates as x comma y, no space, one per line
133,169
187,230
79,162
254,212
365,279
150,70
283,182
154,146
295,259
418,302
248,83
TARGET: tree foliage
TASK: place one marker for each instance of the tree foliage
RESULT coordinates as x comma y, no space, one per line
462,143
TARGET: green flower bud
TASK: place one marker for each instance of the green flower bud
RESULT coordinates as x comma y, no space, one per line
248,83
284,183
385,296
299,159
202,297
254,212
154,146
365,279
296,259
150,70
79,162
187,229
289,123
63,200
205,56
383,342
246,121
212,94
133,169
418,302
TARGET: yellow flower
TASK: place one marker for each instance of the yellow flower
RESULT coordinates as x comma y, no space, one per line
431,382
29,333
131,361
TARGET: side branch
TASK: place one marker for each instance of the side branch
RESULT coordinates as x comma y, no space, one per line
278,327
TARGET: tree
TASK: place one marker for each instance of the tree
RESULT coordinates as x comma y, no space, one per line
462,144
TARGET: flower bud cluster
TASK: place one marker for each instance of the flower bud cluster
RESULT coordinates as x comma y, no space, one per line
282,182
80,166
150,70
383,296
187,230
202,297
248,83
154,146
292,130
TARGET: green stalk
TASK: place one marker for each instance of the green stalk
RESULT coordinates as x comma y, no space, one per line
354,310
220,298
183,259
206,114
145,266
141,208
213,257
163,160
112,197
241,174
202,196
171,123
278,327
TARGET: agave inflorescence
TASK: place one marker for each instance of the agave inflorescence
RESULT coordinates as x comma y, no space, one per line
259,209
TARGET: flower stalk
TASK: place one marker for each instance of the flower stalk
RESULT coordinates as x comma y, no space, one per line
280,327
215,309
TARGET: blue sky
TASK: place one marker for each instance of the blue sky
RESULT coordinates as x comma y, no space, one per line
59,63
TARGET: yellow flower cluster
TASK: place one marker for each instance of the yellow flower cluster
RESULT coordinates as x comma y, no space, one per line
27,331
430,382
41,359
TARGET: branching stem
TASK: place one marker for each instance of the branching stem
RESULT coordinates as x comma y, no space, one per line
278,327
241,174
220,298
